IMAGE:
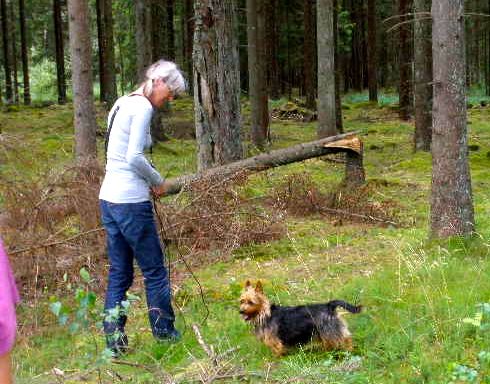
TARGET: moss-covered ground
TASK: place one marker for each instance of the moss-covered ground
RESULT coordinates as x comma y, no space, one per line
416,292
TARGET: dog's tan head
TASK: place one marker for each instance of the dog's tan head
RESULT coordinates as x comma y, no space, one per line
254,306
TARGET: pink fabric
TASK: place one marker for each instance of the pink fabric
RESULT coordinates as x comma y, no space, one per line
9,297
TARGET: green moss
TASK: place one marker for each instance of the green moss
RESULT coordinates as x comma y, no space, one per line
415,292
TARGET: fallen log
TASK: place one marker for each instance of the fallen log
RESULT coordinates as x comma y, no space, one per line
347,142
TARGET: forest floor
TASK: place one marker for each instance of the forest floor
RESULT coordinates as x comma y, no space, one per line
423,321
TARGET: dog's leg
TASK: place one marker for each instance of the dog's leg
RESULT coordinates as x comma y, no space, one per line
344,344
274,344
347,344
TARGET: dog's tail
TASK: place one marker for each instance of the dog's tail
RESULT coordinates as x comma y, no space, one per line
341,303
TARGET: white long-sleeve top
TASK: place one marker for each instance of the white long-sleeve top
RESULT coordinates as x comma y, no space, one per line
129,175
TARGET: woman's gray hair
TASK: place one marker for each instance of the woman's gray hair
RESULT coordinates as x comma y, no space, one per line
169,73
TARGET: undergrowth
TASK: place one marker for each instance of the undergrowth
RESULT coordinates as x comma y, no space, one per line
296,228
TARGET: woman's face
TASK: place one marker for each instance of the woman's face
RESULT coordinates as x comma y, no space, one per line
161,93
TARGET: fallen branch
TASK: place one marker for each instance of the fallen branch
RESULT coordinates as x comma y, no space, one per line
168,379
272,159
209,350
366,217
59,242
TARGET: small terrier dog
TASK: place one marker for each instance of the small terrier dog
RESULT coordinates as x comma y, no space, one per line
281,328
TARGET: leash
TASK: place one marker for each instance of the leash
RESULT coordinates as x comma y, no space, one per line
184,261
179,254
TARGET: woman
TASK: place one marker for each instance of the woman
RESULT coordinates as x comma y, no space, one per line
9,297
127,212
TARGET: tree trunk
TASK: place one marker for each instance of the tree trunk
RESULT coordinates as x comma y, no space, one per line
273,50
143,37
149,17
107,70
25,60
257,73
286,77
423,77
13,40
404,60
216,83
60,52
170,35
372,51
326,69
348,143
6,53
110,55
81,59
122,72
188,39
487,61
338,101
159,50
159,29
356,65
451,200
309,57
99,5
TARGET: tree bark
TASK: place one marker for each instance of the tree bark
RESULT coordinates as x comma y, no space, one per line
25,59
451,199
101,44
273,49
143,37
151,46
372,51
110,55
257,73
356,65
170,31
6,54
83,101
276,158
216,83
159,29
404,59
107,76
309,57
338,100
13,51
487,61
326,69
287,78
60,52
188,40
422,77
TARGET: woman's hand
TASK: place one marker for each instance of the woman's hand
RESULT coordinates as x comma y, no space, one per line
160,190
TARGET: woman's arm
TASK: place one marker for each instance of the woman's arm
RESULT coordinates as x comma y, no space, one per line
137,139
9,297
5,369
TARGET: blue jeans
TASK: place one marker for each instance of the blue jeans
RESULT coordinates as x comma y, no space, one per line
132,234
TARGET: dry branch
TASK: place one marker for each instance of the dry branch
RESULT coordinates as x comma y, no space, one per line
209,350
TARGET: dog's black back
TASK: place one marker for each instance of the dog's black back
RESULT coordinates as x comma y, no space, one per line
300,324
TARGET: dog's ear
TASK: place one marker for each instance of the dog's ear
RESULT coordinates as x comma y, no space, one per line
258,287
248,284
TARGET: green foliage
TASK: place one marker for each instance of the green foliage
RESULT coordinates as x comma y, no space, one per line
43,84
82,313
415,292
345,30
481,372
44,81
82,316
